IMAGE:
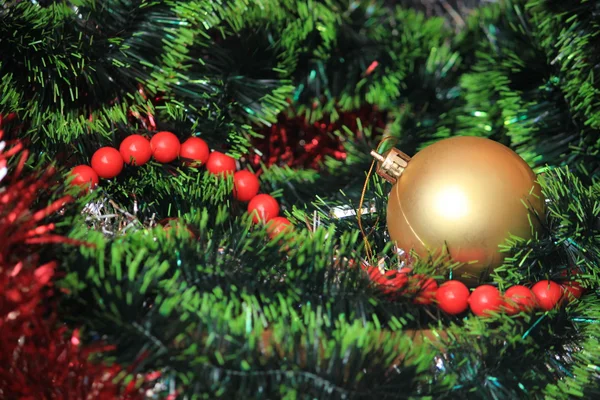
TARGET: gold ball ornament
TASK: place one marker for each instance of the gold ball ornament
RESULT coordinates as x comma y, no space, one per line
465,193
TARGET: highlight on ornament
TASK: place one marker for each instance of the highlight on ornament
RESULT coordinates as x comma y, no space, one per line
464,194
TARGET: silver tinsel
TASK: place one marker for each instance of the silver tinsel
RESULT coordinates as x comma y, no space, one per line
112,220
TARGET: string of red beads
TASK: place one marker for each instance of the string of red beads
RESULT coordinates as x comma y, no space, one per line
453,297
164,147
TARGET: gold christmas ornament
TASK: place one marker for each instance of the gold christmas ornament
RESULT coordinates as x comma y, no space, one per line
466,193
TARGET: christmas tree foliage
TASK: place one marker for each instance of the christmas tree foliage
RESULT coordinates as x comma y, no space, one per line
159,284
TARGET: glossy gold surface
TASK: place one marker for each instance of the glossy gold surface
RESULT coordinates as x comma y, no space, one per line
469,193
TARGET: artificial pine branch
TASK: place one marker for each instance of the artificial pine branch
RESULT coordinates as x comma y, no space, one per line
516,92
157,300
568,245
225,312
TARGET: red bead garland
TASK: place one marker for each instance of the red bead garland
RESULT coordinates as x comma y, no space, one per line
453,297
107,162
135,150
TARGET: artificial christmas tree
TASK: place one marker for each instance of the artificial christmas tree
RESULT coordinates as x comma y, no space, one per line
224,237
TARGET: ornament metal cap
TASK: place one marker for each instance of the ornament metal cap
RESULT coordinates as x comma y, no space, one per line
391,164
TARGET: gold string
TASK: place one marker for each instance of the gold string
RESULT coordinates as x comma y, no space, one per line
368,248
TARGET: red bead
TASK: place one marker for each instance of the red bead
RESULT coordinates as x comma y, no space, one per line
9,117
426,289
178,229
195,149
573,290
263,208
135,150
245,185
390,281
395,280
84,176
453,297
278,225
485,299
519,298
548,294
165,147
219,163
107,162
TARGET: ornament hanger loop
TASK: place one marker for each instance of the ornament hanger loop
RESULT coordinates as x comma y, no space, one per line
391,165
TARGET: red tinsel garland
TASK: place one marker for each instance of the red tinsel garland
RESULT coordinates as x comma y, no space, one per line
38,358
295,142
